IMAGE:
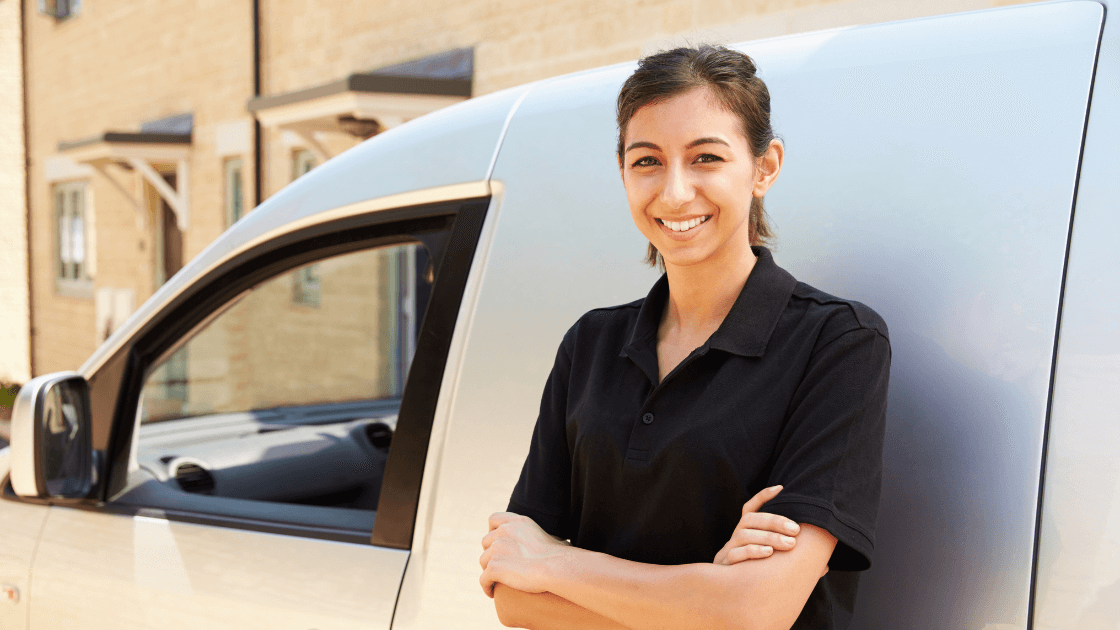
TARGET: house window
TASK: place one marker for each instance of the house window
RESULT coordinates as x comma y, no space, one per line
60,9
235,195
302,161
71,253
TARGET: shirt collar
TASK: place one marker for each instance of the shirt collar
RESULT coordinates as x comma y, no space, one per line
748,325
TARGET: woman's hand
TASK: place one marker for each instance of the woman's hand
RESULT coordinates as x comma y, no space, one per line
758,534
515,553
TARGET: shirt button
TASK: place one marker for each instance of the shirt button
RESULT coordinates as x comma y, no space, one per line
647,418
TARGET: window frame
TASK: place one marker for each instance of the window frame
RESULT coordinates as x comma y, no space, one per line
117,383
80,286
234,198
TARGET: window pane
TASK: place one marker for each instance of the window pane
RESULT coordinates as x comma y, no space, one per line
274,401
234,194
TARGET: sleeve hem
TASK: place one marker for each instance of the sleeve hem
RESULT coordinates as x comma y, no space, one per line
550,523
853,544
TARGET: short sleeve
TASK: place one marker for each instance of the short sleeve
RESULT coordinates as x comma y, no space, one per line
543,493
829,457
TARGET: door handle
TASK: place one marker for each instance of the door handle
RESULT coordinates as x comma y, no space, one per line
9,593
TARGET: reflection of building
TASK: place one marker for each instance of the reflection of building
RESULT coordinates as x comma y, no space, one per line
154,125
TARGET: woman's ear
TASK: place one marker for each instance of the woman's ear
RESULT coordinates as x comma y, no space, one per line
768,165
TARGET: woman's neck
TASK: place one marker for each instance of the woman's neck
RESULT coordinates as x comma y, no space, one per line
701,295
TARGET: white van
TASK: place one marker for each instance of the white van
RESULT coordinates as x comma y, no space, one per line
309,424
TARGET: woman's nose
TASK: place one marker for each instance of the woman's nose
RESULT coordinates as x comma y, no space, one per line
678,190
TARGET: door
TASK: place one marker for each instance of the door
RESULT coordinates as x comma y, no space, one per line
261,435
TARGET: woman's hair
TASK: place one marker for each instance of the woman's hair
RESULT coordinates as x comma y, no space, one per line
730,75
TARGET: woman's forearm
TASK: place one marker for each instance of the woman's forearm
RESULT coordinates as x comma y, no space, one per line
546,611
760,594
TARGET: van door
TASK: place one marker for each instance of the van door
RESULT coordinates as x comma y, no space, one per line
274,427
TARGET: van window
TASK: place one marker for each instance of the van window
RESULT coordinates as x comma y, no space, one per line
274,400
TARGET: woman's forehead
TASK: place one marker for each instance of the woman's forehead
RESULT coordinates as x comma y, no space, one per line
684,118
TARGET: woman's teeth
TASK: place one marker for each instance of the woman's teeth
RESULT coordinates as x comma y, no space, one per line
682,226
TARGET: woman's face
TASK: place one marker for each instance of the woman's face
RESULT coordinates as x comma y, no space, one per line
690,177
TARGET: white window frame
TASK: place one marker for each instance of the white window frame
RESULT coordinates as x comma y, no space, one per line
69,201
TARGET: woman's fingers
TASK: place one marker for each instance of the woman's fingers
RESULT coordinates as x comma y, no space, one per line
498,519
741,554
487,584
767,522
485,558
744,537
757,501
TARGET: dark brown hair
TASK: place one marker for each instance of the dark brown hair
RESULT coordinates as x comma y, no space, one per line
730,75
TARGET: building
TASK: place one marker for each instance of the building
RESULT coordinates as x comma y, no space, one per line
152,126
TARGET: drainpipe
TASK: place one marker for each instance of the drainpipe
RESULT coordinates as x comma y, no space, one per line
27,182
257,140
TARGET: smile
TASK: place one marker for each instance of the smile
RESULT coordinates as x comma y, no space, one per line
684,226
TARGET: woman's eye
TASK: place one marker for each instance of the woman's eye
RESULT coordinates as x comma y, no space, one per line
648,160
708,157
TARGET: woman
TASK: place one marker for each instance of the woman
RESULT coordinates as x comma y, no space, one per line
662,417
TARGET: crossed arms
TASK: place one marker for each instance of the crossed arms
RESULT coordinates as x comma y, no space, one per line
761,579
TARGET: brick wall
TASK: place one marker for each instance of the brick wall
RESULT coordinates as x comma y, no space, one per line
122,62
117,64
15,362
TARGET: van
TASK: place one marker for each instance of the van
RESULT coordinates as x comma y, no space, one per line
308,425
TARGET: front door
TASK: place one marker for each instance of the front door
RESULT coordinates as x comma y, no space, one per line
254,481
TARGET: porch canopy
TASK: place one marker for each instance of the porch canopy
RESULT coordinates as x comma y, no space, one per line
159,146
365,104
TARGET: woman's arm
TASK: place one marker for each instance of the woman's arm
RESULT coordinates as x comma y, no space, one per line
545,611
767,593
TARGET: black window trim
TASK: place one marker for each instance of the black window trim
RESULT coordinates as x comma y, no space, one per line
400,493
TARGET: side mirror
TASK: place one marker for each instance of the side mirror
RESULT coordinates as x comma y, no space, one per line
52,452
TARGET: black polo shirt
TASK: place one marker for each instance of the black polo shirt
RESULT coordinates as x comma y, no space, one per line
791,389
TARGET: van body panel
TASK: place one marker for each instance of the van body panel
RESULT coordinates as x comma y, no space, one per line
943,202
141,572
20,525
1078,573
959,244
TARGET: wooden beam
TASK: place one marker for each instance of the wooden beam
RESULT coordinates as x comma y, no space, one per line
141,212
177,201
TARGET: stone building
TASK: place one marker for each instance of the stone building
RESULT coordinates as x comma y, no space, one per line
152,126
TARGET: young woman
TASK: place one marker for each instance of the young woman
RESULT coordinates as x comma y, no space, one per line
667,423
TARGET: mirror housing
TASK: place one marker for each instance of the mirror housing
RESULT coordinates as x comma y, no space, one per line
52,451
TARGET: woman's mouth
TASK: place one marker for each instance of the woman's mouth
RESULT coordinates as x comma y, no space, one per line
684,226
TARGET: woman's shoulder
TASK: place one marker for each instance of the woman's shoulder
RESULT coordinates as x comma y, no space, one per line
605,322
835,315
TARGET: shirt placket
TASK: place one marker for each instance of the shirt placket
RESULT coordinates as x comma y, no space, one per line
646,425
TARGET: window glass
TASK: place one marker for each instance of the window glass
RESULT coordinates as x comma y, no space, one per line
273,401
235,197
70,231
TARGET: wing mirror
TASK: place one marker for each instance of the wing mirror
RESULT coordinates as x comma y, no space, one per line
52,452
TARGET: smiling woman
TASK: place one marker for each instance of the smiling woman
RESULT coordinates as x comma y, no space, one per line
668,423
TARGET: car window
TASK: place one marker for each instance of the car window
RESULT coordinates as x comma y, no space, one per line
279,399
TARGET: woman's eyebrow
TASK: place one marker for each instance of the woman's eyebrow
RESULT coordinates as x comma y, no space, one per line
699,141
643,145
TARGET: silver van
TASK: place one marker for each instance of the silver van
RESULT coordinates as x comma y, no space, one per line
309,424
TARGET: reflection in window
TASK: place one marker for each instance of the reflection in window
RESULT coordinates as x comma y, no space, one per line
265,352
